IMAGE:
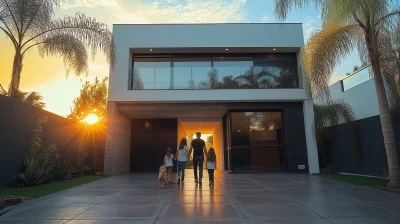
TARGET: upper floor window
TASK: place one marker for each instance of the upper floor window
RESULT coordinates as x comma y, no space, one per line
215,72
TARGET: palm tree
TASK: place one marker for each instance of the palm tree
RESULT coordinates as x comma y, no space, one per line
228,82
2,90
252,80
33,98
29,24
398,68
325,115
368,25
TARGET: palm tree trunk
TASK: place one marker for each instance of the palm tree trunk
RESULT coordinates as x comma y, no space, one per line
16,73
385,117
398,70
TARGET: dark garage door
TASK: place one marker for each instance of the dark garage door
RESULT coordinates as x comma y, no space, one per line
149,139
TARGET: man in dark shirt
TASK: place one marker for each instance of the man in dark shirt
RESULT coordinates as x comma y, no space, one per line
199,147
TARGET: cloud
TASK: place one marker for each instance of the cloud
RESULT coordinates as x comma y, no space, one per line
167,11
310,25
265,19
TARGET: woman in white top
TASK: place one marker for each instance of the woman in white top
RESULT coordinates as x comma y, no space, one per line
181,155
168,163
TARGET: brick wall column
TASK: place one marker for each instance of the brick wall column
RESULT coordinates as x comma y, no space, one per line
118,140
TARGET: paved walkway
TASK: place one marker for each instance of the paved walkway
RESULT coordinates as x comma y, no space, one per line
255,198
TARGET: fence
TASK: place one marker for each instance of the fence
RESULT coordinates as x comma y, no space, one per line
17,121
372,150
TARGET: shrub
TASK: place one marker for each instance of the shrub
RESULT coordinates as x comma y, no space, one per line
42,166
36,172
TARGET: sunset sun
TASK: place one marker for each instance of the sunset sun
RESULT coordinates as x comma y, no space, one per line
91,119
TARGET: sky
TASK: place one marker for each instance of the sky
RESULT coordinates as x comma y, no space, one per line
48,76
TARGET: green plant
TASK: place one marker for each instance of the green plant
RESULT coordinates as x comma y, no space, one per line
81,161
32,98
384,173
43,165
36,172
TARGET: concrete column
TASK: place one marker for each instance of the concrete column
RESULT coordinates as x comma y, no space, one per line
118,142
312,151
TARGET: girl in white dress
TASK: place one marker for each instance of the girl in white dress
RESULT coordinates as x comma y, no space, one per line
211,165
168,163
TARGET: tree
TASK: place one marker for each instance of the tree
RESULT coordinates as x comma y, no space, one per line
368,25
398,68
252,80
29,24
92,99
137,79
33,98
2,90
212,82
210,139
325,115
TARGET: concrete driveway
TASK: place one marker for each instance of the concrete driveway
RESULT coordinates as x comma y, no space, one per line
254,198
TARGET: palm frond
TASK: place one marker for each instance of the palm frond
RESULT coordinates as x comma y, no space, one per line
87,30
69,48
322,53
283,7
389,66
34,98
329,114
2,90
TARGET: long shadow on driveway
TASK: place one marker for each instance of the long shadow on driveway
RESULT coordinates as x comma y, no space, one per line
238,198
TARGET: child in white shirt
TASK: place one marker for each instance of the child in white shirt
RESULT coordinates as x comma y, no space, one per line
211,165
168,163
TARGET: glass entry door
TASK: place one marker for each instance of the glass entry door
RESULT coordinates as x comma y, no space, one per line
255,141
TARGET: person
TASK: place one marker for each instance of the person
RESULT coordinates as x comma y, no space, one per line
181,155
168,163
199,147
211,165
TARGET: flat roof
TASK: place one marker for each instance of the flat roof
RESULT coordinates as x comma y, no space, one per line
148,24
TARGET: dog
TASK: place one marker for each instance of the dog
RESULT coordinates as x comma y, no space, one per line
162,177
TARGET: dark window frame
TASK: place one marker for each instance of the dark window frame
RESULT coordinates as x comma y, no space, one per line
284,146
216,55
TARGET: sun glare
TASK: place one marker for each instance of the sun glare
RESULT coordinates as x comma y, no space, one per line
91,119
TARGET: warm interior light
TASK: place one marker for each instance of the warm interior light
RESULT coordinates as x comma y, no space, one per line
151,49
226,49
274,49
91,119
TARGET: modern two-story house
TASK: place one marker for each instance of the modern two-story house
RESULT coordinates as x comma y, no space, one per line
239,82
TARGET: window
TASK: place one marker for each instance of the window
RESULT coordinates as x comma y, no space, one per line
191,72
215,72
151,73
233,71
257,141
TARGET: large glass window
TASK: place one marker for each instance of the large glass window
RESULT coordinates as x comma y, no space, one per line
233,72
191,72
257,141
215,72
151,73
277,70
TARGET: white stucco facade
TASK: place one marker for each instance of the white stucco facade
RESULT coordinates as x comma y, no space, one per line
168,39
200,38
362,98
